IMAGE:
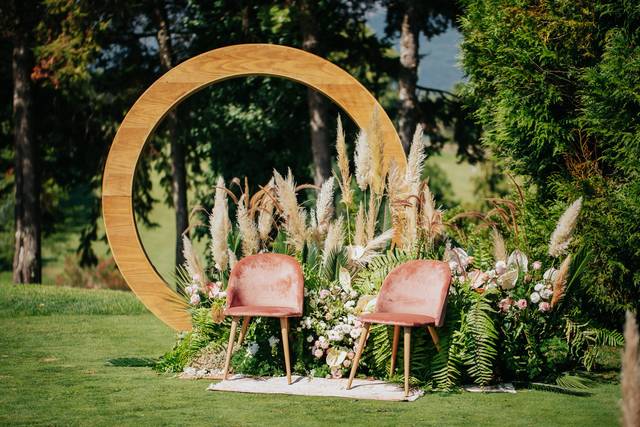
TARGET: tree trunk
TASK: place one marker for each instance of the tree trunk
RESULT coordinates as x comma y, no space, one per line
317,104
27,261
178,167
409,60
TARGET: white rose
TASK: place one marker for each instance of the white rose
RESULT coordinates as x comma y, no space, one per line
539,287
535,297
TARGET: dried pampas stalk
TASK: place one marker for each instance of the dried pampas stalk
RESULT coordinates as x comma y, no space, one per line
631,373
343,166
334,240
219,227
360,236
376,153
232,258
362,160
499,248
560,281
247,228
265,217
372,216
415,160
192,263
294,216
375,245
398,193
431,216
561,237
324,206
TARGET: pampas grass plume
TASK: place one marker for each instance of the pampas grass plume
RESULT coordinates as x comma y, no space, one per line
219,227
499,248
343,166
247,228
561,237
324,205
561,281
362,160
360,236
265,217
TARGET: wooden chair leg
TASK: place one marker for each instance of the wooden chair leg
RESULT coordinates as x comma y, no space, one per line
363,341
243,331
434,337
284,329
407,359
394,348
232,336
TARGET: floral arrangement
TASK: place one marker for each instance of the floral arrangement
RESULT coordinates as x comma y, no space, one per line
505,315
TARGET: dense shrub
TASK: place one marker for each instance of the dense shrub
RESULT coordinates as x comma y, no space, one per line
104,275
556,85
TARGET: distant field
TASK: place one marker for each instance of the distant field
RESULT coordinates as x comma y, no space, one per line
66,361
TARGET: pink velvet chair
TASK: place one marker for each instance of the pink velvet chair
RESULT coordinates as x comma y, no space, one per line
266,285
414,294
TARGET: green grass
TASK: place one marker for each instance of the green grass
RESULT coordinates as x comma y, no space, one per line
71,363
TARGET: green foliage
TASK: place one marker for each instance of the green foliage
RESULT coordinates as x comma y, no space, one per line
555,88
481,338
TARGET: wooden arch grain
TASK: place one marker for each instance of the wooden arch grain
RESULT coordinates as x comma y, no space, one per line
168,91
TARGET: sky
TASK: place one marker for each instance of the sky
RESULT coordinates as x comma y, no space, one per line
439,64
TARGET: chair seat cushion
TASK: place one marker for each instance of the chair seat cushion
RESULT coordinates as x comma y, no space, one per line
400,319
262,310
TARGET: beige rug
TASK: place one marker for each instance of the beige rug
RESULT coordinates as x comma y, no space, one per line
305,386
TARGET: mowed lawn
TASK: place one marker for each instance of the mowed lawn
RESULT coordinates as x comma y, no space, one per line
56,344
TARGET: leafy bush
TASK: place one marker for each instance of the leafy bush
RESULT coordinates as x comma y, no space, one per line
555,86
104,275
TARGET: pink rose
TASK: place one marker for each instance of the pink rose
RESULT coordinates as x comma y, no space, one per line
346,363
537,265
195,299
544,306
318,353
351,355
521,304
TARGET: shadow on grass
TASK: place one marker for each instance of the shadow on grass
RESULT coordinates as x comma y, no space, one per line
131,362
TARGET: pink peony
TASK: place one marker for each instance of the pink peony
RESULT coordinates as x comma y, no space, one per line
544,306
521,304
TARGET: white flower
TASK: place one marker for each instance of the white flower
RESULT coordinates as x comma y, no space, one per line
508,280
355,252
195,299
350,304
252,348
539,287
344,277
335,357
546,293
310,338
501,267
518,259
535,297
273,341
550,275
335,335
192,289
355,332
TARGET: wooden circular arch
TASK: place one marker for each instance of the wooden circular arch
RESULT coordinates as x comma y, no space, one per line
168,91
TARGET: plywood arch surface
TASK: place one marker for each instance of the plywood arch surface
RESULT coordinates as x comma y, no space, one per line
168,91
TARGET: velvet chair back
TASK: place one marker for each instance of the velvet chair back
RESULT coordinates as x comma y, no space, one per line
266,280
416,287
